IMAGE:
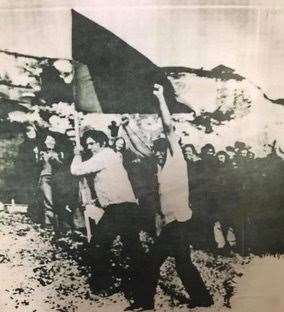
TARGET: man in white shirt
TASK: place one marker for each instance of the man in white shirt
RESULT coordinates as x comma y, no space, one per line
116,197
172,219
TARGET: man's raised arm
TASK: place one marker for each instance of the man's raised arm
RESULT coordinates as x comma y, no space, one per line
166,117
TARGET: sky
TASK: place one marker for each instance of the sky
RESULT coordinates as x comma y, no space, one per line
245,35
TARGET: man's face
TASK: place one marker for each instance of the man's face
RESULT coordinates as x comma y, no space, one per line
210,152
221,158
92,145
244,153
251,155
188,153
50,142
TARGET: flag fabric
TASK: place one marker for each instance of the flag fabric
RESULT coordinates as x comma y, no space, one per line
122,77
84,91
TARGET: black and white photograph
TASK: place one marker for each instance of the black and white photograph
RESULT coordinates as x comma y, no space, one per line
141,155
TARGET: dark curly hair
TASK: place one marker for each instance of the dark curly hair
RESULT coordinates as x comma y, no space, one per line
97,135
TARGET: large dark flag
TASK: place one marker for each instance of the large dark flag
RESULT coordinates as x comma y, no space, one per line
111,77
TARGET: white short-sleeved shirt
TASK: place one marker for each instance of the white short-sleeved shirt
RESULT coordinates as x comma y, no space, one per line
173,186
111,181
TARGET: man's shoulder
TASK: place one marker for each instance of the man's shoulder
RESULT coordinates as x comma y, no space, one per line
104,151
106,154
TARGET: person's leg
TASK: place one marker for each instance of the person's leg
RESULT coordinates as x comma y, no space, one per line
231,237
127,217
33,201
61,210
187,271
151,271
145,288
100,253
134,260
219,235
47,201
58,208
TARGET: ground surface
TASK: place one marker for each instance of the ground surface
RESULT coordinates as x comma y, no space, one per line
39,275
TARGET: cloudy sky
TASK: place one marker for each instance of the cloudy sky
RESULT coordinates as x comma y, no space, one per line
245,35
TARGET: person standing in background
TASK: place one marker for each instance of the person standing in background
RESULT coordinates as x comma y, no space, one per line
50,161
226,201
142,175
26,172
205,196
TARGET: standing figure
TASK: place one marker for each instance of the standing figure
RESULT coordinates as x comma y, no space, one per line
190,153
142,175
27,171
66,187
192,158
205,199
50,161
172,220
248,195
226,201
121,213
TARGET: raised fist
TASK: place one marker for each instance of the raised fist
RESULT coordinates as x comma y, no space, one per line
158,90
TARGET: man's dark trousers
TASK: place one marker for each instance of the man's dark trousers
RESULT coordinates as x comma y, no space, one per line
173,241
119,219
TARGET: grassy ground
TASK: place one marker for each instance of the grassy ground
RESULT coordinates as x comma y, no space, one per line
39,274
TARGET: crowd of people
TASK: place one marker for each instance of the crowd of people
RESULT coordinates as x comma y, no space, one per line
224,202
41,178
237,198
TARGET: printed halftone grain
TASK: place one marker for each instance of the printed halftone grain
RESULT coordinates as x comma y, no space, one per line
38,276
